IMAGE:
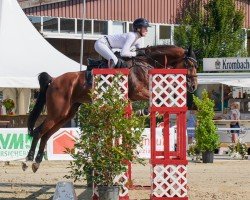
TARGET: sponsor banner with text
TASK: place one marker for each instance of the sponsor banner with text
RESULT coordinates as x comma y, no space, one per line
226,64
64,139
15,143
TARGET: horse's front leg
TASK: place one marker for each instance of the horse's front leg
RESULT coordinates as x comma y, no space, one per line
40,153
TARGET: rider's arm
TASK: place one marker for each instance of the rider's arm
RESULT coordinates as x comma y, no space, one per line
125,52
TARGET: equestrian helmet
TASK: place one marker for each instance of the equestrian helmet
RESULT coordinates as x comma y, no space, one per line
139,23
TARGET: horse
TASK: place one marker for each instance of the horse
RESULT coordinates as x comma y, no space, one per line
64,94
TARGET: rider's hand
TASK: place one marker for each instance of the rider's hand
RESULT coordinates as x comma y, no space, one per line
140,52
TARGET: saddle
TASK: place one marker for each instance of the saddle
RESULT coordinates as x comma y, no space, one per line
92,63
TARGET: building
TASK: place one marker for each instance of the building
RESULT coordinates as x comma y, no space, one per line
60,21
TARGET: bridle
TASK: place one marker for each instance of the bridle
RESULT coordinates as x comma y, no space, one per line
187,66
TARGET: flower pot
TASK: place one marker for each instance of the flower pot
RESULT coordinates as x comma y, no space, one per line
108,192
208,157
8,111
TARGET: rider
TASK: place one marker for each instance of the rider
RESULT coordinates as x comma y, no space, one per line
124,42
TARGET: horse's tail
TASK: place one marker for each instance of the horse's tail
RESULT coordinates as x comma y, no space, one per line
44,80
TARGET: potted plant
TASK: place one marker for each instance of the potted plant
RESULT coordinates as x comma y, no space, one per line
9,105
194,152
238,150
205,132
107,139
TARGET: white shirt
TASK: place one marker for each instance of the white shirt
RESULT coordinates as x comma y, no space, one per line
125,42
235,114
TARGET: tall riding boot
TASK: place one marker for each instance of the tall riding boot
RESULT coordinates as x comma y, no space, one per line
111,64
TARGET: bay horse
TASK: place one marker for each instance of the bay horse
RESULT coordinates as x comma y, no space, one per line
64,94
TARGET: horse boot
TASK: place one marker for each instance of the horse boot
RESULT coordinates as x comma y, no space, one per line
30,157
39,158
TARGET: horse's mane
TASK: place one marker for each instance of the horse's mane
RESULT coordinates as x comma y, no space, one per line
162,46
160,50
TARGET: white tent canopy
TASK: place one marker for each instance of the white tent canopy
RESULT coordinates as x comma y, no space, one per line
24,53
231,79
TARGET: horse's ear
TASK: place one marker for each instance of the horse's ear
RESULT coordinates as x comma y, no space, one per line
197,52
190,50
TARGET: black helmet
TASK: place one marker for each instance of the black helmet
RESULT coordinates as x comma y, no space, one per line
139,23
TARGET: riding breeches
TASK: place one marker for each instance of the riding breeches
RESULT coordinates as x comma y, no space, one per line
103,48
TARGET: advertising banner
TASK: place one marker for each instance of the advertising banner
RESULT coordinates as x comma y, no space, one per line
14,143
145,150
226,64
60,141
64,138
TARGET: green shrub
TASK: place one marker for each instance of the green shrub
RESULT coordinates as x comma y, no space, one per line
205,132
102,125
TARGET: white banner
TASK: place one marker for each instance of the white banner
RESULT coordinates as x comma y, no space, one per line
14,143
61,140
145,150
64,138
226,64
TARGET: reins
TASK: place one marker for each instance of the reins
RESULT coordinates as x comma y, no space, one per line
186,58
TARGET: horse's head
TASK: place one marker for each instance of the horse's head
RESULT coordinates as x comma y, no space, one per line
191,64
168,56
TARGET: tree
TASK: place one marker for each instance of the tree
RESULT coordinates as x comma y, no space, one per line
205,133
214,28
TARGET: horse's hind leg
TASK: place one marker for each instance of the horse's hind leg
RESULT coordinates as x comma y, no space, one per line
31,154
49,133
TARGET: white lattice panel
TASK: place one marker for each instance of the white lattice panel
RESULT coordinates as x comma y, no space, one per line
103,81
169,181
168,90
121,180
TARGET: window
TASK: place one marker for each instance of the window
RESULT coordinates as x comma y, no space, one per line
87,26
165,32
150,39
101,27
130,27
67,25
36,21
50,24
119,27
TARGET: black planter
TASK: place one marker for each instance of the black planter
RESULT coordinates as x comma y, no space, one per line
108,192
208,157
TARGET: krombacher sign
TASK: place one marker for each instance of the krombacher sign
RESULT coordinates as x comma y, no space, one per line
226,64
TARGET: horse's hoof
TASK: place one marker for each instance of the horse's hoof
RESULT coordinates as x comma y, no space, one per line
24,166
35,167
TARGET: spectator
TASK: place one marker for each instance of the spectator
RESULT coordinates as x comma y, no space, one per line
191,123
227,95
235,117
217,100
